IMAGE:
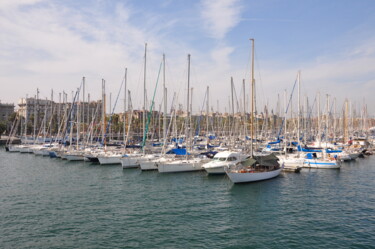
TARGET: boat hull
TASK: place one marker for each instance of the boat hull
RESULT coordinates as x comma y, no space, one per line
131,161
318,164
180,166
148,165
219,170
74,157
13,149
109,160
237,177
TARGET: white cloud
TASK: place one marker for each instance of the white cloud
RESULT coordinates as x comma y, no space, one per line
49,46
220,16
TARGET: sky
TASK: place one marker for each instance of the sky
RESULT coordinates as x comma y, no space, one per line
51,44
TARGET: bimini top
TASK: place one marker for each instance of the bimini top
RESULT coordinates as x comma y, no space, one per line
268,160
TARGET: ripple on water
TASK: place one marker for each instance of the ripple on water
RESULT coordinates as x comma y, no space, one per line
49,203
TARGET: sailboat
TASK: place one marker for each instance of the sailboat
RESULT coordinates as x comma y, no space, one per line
189,163
256,168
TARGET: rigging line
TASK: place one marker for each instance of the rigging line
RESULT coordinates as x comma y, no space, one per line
200,116
113,109
286,111
260,79
150,112
71,112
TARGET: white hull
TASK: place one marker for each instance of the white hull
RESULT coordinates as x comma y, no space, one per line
38,152
25,149
237,177
129,162
321,164
149,165
14,149
104,160
291,162
74,157
152,163
214,170
180,166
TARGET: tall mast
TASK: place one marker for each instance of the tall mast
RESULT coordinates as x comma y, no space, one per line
327,120
88,109
298,108
26,116
103,111
319,136
334,120
306,115
83,106
78,118
244,108
285,118
231,126
36,110
165,102
190,118
110,114
207,109
345,123
252,97
124,117
187,105
144,92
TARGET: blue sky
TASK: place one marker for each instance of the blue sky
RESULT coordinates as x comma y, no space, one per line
52,44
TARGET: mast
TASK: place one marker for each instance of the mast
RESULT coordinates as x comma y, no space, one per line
124,117
26,116
285,118
36,110
327,118
319,136
103,112
190,119
110,115
252,97
334,120
231,126
345,123
83,106
187,105
306,116
244,108
144,93
207,110
78,118
298,108
88,109
165,103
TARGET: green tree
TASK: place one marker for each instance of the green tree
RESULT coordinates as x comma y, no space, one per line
3,127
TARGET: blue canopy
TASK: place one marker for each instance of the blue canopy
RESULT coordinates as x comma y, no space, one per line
178,151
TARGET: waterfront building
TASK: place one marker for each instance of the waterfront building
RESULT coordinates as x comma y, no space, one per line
5,111
31,107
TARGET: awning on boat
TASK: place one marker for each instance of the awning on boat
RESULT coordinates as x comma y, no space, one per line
268,161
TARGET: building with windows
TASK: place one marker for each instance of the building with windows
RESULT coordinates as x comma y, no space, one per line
5,111
40,108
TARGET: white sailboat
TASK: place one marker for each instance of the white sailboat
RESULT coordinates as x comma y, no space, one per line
188,163
255,168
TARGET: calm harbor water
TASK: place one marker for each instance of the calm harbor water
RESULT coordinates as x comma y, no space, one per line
50,203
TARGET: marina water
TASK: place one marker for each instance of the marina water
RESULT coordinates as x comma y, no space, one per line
50,203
